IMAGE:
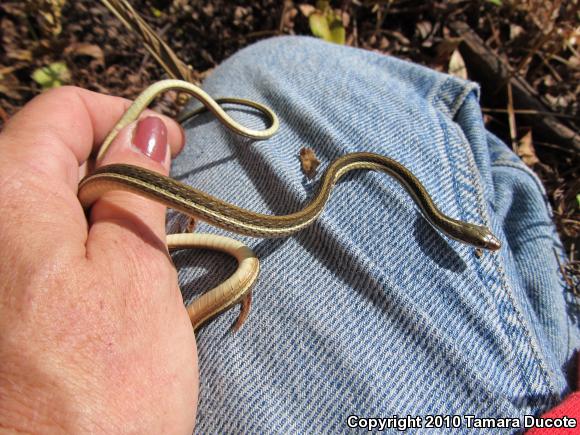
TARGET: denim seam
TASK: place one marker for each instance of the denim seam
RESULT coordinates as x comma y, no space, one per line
533,340
528,172
442,105
458,201
505,285
467,89
538,183
513,165
529,334
480,203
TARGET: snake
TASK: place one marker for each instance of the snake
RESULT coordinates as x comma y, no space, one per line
200,205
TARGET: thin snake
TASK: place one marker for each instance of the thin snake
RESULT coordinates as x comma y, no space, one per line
200,205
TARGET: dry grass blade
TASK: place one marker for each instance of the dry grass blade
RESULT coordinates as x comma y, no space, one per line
512,118
162,53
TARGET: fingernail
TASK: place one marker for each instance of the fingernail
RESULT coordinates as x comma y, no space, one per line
151,138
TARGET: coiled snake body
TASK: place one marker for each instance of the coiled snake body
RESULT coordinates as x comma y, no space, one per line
200,205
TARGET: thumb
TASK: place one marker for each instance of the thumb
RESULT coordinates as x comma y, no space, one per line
123,218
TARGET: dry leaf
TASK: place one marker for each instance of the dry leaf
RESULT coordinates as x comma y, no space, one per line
424,29
24,55
345,17
526,150
84,49
306,9
8,85
516,31
400,37
287,20
384,43
208,10
308,162
48,15
446,48
457,65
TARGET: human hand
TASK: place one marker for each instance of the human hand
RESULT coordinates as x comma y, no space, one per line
94,336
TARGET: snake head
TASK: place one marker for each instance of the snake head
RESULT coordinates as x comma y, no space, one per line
480,237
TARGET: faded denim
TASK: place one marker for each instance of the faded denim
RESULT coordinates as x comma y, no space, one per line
370,311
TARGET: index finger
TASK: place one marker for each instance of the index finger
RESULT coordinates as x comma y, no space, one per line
58,130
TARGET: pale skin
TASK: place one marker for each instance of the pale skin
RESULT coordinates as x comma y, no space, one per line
94,337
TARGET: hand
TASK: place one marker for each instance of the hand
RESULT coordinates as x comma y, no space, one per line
94,336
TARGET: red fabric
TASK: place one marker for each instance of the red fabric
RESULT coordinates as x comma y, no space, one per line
569,408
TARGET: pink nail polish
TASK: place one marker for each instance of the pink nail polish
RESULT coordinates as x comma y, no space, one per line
151,138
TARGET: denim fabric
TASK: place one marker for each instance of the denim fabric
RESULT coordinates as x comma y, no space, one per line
370,311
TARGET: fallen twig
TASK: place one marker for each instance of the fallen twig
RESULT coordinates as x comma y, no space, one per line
489,69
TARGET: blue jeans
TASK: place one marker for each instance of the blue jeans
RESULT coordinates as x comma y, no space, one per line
371,312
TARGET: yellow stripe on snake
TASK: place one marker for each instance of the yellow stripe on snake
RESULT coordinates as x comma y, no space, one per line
198,204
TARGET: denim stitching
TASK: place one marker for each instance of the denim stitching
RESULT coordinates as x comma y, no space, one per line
499,268
546,372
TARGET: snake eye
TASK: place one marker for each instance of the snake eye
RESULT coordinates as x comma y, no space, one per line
486,239
481,237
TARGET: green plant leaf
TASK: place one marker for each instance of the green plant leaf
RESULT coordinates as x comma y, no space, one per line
51,76
337,31
495,2
319,25
578,200
328,26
